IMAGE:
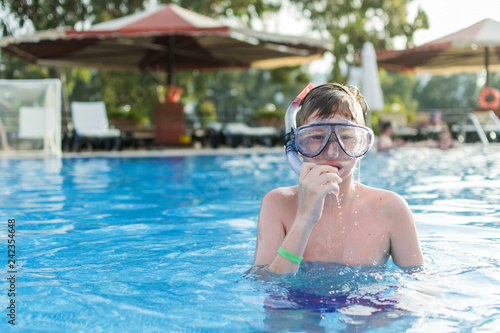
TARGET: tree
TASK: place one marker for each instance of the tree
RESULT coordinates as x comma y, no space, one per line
45,14
398,88
351,23
448,91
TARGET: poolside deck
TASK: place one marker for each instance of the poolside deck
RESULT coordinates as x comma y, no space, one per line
166,152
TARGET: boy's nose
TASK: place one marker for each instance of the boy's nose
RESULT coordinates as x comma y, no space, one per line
332,149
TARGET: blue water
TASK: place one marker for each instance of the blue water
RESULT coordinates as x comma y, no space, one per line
166,244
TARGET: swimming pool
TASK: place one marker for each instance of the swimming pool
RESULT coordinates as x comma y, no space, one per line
164,244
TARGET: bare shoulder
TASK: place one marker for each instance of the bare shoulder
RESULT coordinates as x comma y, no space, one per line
281,195
382,195
279,204
384,203
391,210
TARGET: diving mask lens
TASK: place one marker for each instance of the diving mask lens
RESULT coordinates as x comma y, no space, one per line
355,140
311,140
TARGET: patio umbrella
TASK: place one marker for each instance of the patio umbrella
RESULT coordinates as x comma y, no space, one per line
469,50
370,83
167,38
367,79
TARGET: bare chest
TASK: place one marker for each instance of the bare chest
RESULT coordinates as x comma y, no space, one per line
352,238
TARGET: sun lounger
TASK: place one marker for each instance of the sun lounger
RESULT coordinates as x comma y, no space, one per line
240,133
32,125
90,121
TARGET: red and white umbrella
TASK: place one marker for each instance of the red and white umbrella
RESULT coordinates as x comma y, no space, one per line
468,50
167,38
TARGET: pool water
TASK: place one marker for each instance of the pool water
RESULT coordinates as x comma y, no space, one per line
167,244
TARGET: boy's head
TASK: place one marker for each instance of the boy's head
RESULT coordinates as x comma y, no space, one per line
331,99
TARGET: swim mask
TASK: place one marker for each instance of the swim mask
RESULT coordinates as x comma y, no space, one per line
355,140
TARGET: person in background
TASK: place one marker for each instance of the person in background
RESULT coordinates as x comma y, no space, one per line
445,140
385,140
431,128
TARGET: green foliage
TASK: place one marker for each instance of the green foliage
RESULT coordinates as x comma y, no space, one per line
207,111
239,94
15,68
242,10
132,93
44,14
398,89
83,84
448,91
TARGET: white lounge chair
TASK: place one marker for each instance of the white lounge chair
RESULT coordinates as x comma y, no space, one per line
90,121
32,125
237,133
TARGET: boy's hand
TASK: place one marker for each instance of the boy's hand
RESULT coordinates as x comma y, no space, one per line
315,182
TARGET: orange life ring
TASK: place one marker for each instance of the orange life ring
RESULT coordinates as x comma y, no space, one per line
489,98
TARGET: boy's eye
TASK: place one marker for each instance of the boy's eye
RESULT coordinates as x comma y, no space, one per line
347,137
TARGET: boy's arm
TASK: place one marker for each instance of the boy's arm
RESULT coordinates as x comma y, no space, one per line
271,235
315,182
270,229
405,247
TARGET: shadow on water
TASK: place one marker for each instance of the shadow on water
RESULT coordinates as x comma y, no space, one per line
330,297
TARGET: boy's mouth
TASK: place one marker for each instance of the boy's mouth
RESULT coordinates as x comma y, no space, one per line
338,166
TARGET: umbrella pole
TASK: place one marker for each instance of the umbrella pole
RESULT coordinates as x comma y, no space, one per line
169,60
487,63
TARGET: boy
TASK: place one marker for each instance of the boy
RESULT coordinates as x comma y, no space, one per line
328,217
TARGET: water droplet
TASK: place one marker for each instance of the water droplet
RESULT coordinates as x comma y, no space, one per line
356,223
355,212
374,263
350,258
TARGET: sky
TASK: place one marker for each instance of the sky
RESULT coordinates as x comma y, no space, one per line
448,16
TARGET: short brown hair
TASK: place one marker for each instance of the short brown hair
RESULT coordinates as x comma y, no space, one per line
329,99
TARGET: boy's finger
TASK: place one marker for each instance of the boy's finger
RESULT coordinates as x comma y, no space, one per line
306,168
321,169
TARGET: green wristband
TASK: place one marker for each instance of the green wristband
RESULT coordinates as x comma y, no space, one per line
289,256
